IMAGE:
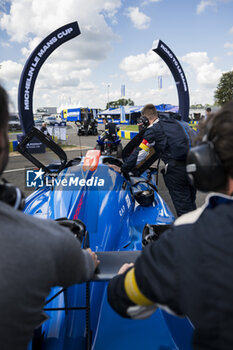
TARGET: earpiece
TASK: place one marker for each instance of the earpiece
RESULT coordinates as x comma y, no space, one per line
204,166
143,120
12,195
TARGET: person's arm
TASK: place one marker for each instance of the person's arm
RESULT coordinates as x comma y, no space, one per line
150,283
140,153
72,264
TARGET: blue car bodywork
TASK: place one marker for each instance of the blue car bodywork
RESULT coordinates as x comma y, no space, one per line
114,221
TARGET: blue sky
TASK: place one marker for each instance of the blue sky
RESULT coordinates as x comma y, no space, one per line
114,48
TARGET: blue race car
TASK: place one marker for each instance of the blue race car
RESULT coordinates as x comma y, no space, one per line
114,211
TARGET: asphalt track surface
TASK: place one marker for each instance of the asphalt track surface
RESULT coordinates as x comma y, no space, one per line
16,173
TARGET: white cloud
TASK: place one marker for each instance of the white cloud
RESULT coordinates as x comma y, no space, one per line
156,96
143,66
216,59
202,96
203,4
207,74
10,71
203,74
68,72
70,66
5,44
32,44
139,19
110,9
228,45
114,76
231,30
28,19
3,5
149,1
9,76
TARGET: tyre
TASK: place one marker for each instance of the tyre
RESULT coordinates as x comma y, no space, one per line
107,149
119,151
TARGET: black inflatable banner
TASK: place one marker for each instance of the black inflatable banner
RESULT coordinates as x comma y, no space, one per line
178,74
32,67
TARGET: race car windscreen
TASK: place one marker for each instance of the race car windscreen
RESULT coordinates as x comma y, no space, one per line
42,151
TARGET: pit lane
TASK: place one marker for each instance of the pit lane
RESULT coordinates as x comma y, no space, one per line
17,165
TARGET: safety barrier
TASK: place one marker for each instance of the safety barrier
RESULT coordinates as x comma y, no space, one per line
13,145
129,135
194,125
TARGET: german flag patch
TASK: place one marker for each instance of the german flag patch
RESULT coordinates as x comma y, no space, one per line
144,145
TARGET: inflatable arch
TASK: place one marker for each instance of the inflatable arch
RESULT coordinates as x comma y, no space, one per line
174,65
32,67
59,37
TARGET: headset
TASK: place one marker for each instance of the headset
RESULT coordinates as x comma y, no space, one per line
144,121
11,195
203,165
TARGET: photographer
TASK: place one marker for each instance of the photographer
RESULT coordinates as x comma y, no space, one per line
188,270
35,255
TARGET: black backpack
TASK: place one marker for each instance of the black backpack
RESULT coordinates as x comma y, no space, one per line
179,135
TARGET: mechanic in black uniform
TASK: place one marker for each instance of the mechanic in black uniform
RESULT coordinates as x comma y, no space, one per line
110,130
155,146
189,268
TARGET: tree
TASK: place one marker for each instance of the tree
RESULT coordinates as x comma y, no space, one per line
120,102
224,92
197,106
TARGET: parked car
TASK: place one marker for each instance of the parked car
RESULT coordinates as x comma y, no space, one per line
14,122
50,120
38,123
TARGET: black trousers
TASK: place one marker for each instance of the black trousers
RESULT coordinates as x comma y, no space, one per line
182,193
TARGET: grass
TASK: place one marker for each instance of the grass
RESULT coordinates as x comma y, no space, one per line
129,127
14,132
67,146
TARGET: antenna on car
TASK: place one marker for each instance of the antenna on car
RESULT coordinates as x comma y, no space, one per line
80,145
